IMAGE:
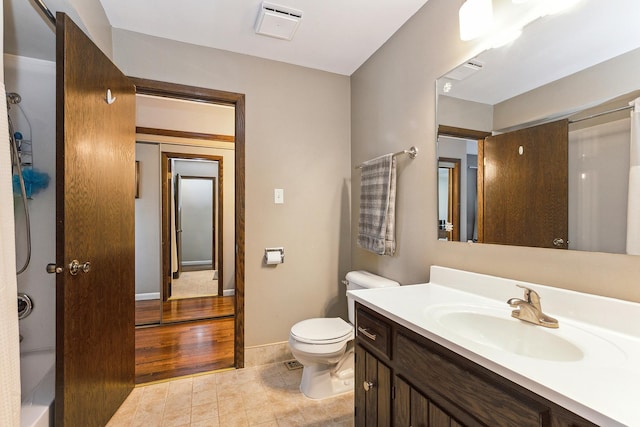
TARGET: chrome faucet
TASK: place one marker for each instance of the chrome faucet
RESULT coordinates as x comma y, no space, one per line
529,309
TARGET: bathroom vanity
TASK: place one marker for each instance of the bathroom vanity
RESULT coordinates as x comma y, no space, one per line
448,353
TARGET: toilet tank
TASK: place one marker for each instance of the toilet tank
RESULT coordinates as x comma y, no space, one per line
364,280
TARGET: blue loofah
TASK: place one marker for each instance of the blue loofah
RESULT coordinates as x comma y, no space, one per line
34,181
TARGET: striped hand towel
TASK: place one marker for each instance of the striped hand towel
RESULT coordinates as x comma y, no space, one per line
376,227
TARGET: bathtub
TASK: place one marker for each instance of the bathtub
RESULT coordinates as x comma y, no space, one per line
37,378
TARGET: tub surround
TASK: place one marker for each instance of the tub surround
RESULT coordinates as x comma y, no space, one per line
596,377
37,376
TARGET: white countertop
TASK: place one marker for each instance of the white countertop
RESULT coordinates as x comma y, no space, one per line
603,386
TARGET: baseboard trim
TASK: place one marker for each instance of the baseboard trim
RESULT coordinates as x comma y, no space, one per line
148,296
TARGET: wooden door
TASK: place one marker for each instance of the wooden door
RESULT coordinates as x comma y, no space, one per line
523,187
94,223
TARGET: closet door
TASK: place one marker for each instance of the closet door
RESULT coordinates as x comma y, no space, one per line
94,226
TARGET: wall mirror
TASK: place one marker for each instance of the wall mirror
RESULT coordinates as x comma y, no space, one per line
534,136
185,231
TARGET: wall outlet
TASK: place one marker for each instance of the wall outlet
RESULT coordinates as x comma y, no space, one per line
278,196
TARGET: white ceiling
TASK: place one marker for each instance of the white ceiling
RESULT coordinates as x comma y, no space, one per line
339,36
334,35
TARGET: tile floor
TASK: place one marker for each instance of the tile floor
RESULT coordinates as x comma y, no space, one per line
266,395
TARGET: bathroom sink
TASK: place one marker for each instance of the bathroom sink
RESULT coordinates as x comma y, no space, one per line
495,328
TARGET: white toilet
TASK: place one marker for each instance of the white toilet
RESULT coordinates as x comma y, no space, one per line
324,346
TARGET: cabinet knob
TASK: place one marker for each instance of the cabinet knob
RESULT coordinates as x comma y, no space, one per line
368,385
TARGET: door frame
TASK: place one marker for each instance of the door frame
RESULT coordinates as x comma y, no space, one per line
237,100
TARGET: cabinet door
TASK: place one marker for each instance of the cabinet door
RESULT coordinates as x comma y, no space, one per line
372,390
413,409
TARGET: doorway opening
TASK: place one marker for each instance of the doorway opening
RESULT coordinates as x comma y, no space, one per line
200,233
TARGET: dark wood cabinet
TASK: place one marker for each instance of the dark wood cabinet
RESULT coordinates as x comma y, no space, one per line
404,379
373,404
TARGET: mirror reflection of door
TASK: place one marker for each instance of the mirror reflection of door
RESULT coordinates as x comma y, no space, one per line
457,188
449,199
524,181
195,226
193,215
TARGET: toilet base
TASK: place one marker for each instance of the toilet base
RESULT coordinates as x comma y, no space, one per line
322,381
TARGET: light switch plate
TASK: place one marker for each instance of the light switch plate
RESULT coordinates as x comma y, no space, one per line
278,196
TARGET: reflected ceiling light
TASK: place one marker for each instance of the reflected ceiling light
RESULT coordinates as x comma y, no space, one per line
505,37
557,6
475,18
447,87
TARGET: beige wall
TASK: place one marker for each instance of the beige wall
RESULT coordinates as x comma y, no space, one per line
297,138
393,105
603,81
464,114
94,21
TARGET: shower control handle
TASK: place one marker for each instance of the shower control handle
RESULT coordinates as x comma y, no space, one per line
52,269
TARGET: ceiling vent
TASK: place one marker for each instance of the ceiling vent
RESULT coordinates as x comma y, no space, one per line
463,71
278,21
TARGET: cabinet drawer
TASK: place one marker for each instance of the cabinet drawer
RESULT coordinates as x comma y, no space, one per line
489,403
373,331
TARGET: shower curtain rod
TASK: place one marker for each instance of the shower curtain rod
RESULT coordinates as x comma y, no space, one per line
412,152
593,116
50,16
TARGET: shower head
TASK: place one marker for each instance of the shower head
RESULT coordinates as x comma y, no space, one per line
13,98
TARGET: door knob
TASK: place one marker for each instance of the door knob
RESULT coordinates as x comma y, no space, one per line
558,242
368,385
75,267
52,269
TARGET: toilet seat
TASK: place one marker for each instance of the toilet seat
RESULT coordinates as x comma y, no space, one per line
322,330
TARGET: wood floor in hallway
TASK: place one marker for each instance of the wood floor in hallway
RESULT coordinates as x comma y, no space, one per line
178,349
148,311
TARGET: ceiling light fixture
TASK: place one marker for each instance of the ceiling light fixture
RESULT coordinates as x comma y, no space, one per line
475,18
504,24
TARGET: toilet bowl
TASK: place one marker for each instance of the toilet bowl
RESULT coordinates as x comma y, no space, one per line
324,346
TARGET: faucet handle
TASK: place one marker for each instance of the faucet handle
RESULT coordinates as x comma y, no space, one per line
527,292
531,296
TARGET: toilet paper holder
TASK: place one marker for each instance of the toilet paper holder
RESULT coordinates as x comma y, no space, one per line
272,251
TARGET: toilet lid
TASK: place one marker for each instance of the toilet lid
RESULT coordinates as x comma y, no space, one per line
321,330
